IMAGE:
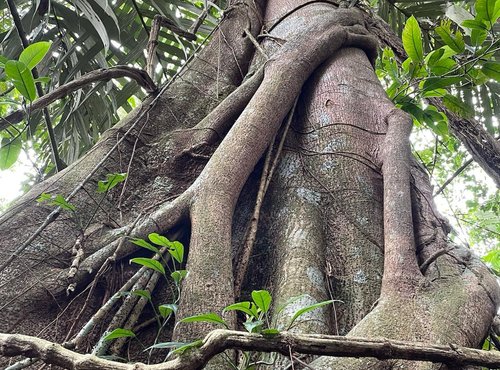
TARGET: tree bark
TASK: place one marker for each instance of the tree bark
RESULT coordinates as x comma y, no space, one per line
348,214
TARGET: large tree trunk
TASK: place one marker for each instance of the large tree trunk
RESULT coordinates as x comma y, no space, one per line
348,214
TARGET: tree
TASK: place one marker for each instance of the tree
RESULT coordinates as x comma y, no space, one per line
343,211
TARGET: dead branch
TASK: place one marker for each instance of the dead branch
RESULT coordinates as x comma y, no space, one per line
138,75
219,340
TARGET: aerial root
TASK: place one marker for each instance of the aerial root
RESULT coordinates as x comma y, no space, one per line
400,260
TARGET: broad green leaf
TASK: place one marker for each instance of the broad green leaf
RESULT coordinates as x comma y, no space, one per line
247,307
159,240
262,299
9,152
206,317
436,121
176,249
434,83
144,244
21,78
455,42
167,309
412,40
434,56
253,326
443,66
3,60
308,309
178,276
60,201
34,53
475,24
435,93
493,258
112,179
492,70
477,37
119,333
149,263
488,10
56,200
142,293
456,105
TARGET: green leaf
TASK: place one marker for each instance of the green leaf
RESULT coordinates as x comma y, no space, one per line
247,307
488,10
9,152
176,249
159,240
3,60
178,276
456,105
456,41
434,56
412,40
492,70
149,263
435,93
475,24
262,299
493,258
477,37
166,309
144,244
56,200
34,53
433,83
112,179
443,66
206,317
308,309
142,293
253,326
119,333
21,78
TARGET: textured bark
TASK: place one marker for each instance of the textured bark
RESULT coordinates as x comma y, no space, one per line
348,214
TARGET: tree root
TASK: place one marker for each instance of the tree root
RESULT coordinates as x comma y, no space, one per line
220,183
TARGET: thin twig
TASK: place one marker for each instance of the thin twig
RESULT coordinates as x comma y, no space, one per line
256,43
455,174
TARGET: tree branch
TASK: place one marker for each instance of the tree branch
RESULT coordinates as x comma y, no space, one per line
138,75
219,340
